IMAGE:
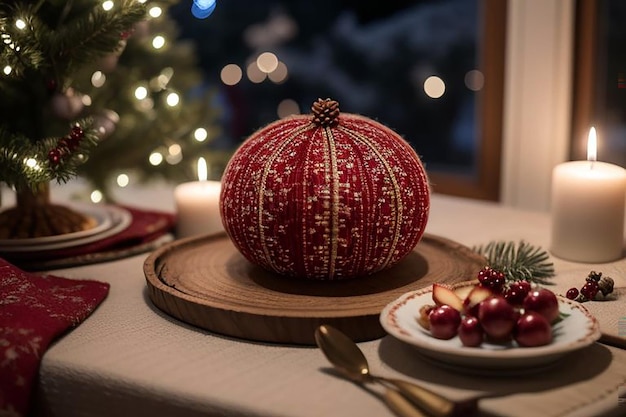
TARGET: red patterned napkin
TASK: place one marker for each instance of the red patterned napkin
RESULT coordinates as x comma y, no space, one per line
34,310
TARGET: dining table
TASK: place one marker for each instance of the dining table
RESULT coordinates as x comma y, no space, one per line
130,358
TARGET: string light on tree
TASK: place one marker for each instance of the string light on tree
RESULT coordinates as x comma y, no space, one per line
141,93
123,180
158,42
155,12
172,99
200,134
155,159
96,196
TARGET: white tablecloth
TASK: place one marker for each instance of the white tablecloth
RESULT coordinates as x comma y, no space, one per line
130,359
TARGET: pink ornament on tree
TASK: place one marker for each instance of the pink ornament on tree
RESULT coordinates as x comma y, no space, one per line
67,105
325,196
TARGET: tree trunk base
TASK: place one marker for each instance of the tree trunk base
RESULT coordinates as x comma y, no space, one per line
43,220
34,216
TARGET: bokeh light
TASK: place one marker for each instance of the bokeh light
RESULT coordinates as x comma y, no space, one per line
141,92
200,134
123,180
434,87
267,62
201,9
254,74
155,11
287,107
158,42
96,196
172,99
474,80
174,154
279,75
231,74
155,158
98,79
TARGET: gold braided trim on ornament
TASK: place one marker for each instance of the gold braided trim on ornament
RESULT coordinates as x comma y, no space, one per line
330,154
397,209
266,170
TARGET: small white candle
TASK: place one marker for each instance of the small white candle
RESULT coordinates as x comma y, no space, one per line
588,209
197,205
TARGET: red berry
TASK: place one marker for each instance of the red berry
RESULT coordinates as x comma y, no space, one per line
497,318
532,329
589,290
544,302
572,293
521,286
514,296
484,276
77,133
470,332
444,322
492,279
63,143
126,34
54,156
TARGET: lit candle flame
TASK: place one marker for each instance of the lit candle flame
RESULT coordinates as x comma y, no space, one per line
202,169
592,145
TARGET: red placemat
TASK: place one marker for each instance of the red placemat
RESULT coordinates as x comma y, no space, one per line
146,231
34,310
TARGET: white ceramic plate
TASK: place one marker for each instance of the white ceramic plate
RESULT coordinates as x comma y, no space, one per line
111,220
577,330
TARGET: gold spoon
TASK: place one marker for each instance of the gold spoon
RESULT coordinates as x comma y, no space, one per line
346,356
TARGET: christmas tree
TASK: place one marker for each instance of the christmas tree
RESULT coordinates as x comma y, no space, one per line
43,44
150,101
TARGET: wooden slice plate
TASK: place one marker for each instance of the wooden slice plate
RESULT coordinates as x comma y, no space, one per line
206,282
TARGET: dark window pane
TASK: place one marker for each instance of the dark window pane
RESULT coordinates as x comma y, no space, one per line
388,60
609,114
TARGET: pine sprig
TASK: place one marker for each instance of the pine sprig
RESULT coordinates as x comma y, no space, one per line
84,40
518,260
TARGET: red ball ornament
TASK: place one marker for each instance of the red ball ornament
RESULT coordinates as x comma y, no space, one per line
325,196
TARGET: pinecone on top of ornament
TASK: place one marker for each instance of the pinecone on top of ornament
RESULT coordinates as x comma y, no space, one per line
325,196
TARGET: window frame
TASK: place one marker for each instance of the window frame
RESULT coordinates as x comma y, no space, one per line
485,183
584,96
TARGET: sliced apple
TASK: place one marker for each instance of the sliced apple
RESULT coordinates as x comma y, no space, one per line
463,291
445,295
477,295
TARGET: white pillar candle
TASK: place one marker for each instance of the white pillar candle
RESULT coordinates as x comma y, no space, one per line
588,209
197,205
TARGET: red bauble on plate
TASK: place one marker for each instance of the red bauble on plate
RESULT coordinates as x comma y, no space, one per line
325,196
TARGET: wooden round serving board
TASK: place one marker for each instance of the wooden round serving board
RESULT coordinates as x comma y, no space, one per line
206,282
